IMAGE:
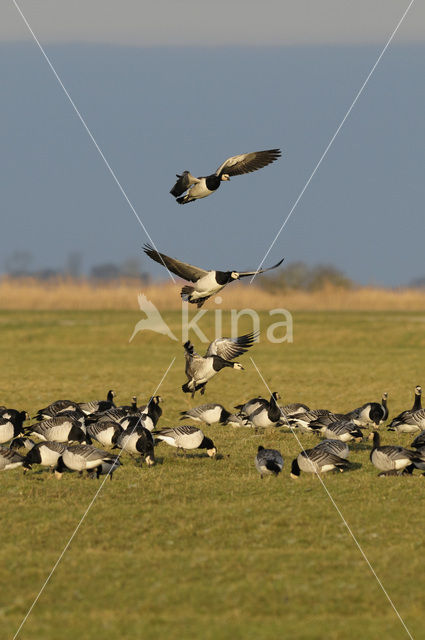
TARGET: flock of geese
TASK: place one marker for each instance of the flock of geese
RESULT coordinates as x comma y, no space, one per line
65,430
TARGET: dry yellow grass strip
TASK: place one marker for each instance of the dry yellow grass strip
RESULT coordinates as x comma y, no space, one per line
83,294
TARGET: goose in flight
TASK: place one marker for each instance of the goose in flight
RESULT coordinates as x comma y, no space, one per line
206,283
204,186
220,353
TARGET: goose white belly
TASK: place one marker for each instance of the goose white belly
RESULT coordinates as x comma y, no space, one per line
261,419
206,286
77,462
6,432
49,457
105,436
202,371
200,189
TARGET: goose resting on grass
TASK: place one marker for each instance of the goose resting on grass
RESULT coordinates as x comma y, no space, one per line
317,460
84,458
206,283
268,461
393,460
370,413
220,353
204,186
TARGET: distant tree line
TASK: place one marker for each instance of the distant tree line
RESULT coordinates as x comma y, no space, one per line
299,275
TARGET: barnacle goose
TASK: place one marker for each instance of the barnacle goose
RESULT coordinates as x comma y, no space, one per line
98,405
9,459
337,447
370,413
317,460
56,407
137,440
46,453
11,424
206,283
392,460
302,421
200,369
83,457
268,414
417,404
60,429
409,422
236,420
268,461
343,430
206,185
186,437
148,414
419,441
207,413
104,431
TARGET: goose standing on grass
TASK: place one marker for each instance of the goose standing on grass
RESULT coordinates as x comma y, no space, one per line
317,460
207,413
204,186
417,404
98,405
370,413
392,460
220,353
139,441
268,461
83,457
206,283
45,453
104,431
337,447
9,459
59,429
409,422
11,424
186,437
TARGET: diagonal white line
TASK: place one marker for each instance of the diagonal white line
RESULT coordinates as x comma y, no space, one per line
83,122
339,512
83,517
322,157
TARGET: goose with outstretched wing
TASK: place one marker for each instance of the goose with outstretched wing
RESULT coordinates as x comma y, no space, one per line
205,283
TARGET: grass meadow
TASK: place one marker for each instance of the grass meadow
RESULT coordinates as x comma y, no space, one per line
201,548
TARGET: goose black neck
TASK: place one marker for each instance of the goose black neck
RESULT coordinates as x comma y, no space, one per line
223,277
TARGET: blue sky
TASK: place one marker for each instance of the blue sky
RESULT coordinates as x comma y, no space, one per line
161,109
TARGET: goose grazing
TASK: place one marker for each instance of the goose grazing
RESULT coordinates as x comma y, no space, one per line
200,369
336,447
343,430
235,420
186,437
60,429
204,186
137,440
83,457
45,453
11,424
302,421
392,460
208,413
56,407
409,422
317,460
98,405
104,432
9,459
268,461
206,283
267,414
370,413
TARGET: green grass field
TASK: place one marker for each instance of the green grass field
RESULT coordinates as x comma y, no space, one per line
201,548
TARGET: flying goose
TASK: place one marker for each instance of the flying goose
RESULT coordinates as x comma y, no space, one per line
83,457
206,283
409,422
11,424
206,185
59,429
344,430
186,437
200,369
98,405
392,460
268,461
137,440
9,459
207,413
370,413
46,453
267,414
317,460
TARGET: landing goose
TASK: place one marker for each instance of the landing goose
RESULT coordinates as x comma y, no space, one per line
104,431
45,453
59,429
344,430
317,460
392,460
268,461
208,413
200,369
370,413
186,437
139,441
11,425
83,457
409,422
268,414
206,283
98,405
9,459
204,186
